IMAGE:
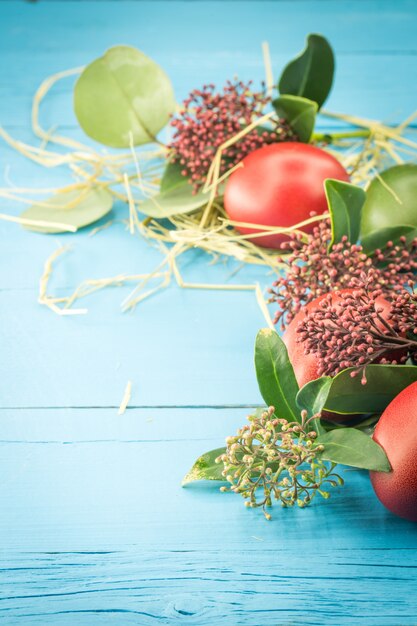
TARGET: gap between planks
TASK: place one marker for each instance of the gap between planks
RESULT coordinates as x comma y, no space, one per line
133,406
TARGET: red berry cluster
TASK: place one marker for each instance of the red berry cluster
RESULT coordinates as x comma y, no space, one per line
207,119
404,311
353,332
312,270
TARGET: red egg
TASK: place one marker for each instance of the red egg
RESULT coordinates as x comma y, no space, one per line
280,185
396,432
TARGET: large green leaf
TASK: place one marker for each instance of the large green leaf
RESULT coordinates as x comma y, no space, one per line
311,73
179,199
206,468
391,200
345,203
275,374
123,96
74,208
350,446
300,113
379,238
346,395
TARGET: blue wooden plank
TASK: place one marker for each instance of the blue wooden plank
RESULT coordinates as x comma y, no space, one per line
94,527
182,347
244,22
256,586
92,479
384,39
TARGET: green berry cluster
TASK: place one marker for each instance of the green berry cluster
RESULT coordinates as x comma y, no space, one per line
272,458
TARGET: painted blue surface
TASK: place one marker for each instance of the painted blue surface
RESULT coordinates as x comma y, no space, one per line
94,528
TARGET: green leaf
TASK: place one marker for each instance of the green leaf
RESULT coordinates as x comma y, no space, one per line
73,208
345,203
391,200
311,73
177,200
379,238
123,96
275,374
350,446
346,395
172,177
313,397
300,113
205,468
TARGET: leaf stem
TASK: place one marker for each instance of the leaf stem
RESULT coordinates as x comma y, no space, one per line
348,134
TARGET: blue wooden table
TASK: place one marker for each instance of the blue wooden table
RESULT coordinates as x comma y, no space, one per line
94,527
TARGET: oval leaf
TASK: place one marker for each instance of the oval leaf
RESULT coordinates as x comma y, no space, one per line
206,468
345,203
379,238
391,200
275,374
300,113
123,96
172,177
350,446
346,395
74,208
311,73
177,200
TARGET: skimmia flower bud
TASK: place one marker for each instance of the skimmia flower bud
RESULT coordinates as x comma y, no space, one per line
285,466
208,118
311,270
404,312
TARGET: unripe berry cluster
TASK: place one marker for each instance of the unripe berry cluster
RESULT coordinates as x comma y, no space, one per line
279,459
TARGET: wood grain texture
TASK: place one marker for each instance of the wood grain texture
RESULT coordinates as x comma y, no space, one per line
259,586
97,531
94,527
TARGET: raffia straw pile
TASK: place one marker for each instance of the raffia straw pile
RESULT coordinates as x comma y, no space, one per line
134,175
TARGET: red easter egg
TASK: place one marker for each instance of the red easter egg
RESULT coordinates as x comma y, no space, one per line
396,432
280,185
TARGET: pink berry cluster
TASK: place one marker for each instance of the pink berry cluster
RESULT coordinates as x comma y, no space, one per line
404,311
354,330
208,118
312,270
